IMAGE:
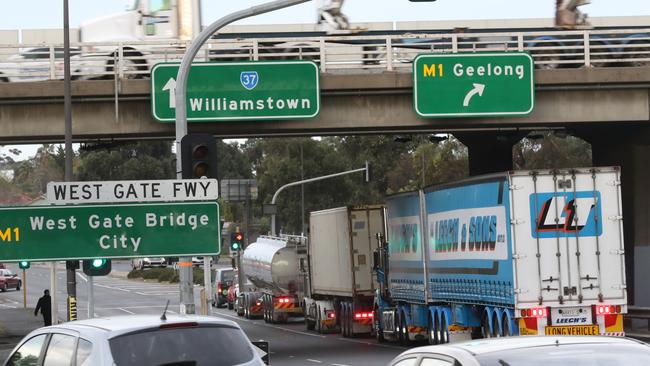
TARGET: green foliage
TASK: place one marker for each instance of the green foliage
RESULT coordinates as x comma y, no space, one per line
153,273
135,273
127,161
31,176
197,275
551,151
167,275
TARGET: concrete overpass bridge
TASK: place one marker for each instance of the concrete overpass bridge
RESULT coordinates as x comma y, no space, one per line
583,86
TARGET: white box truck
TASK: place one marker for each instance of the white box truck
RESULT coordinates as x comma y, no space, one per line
340,285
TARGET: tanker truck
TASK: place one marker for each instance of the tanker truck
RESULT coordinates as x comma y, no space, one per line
271,264
339,281
516,253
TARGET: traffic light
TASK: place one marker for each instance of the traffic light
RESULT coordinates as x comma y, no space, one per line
97,267
199,156
236,241
23,264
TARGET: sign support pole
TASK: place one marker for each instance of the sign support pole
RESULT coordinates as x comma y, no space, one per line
91,298
53,294
186,288
24,289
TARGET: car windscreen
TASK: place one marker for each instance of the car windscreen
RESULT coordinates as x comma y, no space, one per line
227,276
596,354
199,346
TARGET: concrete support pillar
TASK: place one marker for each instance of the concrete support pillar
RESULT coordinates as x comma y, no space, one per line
489,152
630,149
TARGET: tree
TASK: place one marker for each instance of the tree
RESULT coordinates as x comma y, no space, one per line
549,151
31,176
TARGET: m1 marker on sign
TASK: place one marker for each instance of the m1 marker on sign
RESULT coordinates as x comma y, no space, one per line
132,191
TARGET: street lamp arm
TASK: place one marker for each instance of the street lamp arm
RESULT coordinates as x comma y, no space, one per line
275,196
195,46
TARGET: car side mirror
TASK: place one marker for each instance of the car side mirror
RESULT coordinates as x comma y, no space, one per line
262,349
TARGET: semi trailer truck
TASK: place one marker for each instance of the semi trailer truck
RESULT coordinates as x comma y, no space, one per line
518,253
340,285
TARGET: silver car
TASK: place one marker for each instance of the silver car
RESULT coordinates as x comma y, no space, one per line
34,64
148,262
138,340
531,351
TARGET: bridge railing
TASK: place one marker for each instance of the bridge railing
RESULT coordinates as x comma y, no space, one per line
334,54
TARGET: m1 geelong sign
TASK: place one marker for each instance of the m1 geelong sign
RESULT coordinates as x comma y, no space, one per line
47,233
473,85
237,91
130,191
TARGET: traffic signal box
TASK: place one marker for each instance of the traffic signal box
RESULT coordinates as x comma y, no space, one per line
23,264
236,241
97,267
199,156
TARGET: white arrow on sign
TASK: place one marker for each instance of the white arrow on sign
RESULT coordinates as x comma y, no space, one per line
171,86
478,89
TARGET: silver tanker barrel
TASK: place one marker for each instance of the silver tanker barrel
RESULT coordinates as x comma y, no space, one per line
272,264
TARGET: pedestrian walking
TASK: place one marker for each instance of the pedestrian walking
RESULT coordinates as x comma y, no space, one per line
45,306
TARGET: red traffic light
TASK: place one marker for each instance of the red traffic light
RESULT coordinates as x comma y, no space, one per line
239,237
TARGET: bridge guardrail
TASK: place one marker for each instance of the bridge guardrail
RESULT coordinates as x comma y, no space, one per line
550,50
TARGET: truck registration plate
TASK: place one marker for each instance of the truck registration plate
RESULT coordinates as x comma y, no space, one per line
573,330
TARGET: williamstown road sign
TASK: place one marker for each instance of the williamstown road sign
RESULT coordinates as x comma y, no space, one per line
118,231
238,91
473,85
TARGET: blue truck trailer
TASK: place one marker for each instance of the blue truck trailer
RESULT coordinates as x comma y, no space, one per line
517,253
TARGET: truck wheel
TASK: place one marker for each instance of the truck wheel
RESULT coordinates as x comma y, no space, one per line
432,331
344,320
310,324
247,310
495,326
319,324
485,325
400,329
506,326
444,332
379,332
230,305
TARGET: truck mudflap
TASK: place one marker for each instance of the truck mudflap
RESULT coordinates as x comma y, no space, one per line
606,324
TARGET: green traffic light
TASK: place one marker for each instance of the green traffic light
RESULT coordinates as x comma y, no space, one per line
23,264
98,263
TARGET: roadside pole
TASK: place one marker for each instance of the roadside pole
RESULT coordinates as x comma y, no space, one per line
24,289
53,293
187,305
91,298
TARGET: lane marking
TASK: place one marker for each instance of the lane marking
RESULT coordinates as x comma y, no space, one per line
339,364
112,288
82,276
126,311
314,361
370,344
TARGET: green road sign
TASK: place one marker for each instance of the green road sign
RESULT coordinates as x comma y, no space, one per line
238,91
473,85
44,233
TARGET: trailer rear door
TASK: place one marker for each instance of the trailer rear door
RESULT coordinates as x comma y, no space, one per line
567,237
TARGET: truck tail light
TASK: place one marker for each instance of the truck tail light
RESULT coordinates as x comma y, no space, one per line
363,315
603,309
283,300
258,302
534,313
219,289
331,314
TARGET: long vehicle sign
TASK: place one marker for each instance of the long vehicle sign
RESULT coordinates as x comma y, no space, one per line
132,191
45,233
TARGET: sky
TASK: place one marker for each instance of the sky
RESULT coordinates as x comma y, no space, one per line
38,14
47,14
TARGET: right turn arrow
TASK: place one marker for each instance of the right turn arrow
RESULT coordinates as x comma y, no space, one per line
478,89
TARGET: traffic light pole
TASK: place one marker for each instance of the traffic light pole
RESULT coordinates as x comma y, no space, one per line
187,293
91,298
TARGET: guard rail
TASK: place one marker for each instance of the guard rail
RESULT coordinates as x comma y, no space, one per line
334,54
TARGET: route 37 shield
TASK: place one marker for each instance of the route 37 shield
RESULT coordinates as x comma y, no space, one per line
249,79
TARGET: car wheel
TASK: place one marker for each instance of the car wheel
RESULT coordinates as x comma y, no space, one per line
3,288
18,286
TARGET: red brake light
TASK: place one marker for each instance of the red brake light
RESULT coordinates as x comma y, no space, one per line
608,309
534,313
179,325
363,315
331,314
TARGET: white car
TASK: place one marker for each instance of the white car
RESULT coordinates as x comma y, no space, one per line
531,351
138,340
35,64
148,262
